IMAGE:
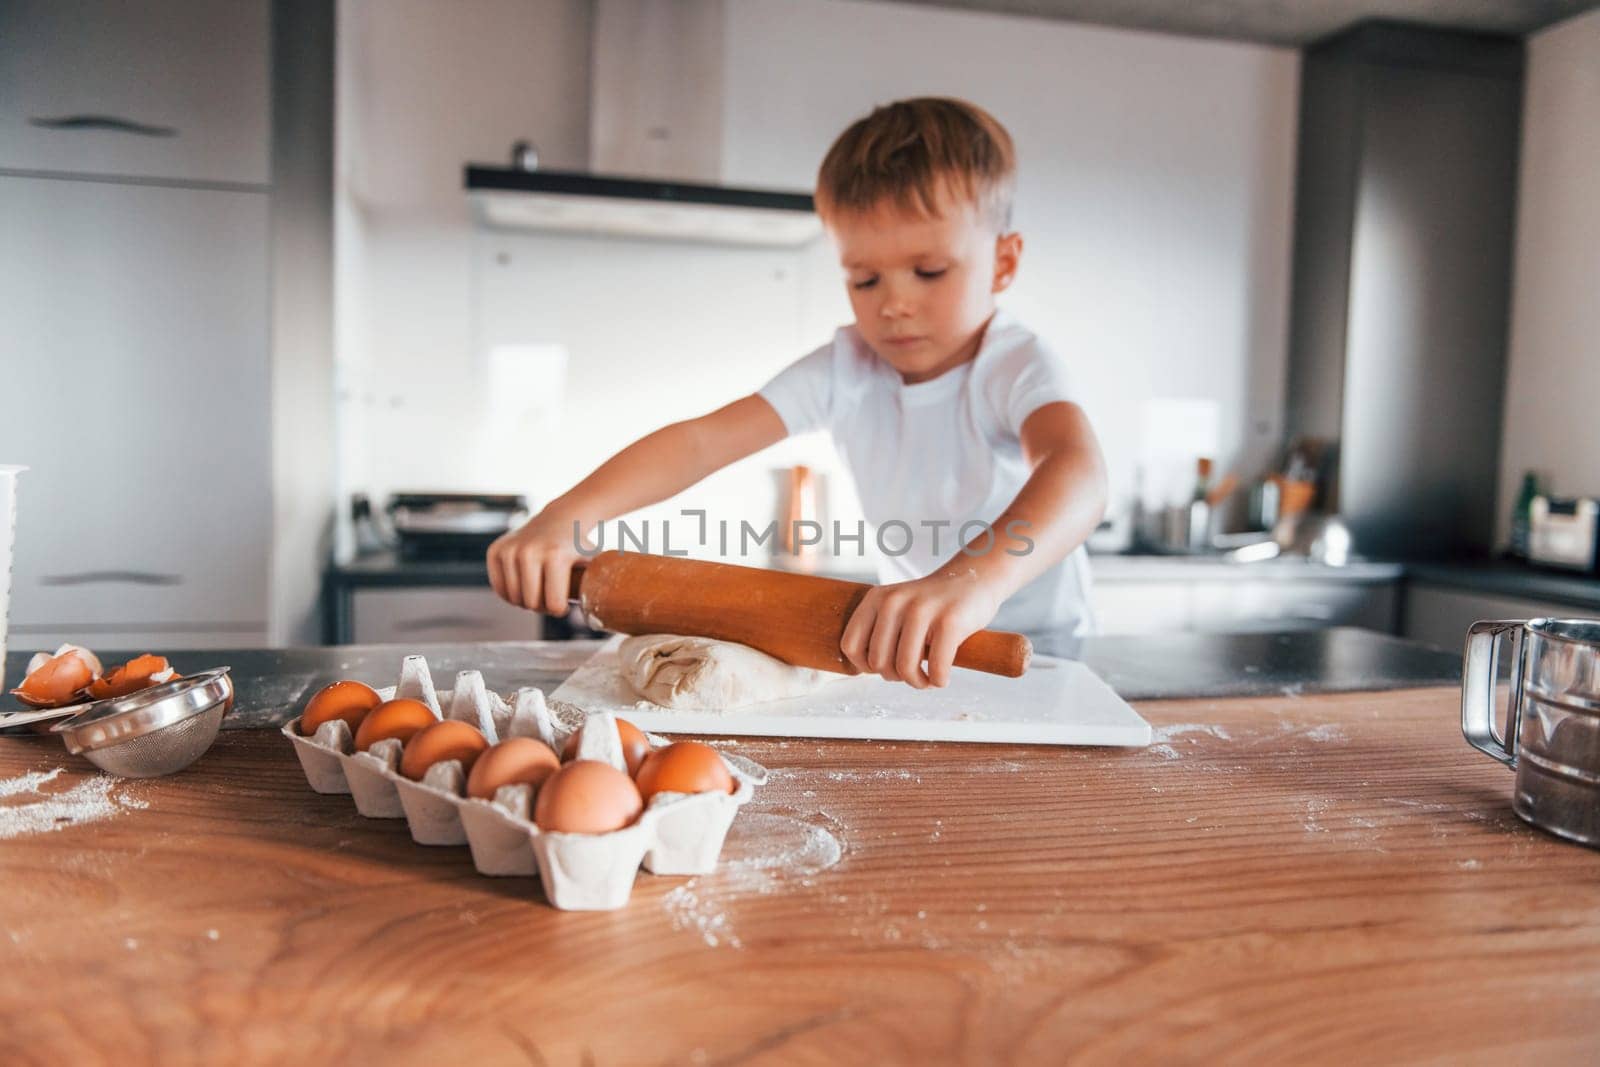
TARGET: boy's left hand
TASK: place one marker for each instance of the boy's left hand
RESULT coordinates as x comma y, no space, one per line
896,627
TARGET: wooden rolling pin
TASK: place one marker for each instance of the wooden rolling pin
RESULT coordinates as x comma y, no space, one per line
798,618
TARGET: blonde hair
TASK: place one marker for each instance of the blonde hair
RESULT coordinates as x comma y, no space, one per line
910,152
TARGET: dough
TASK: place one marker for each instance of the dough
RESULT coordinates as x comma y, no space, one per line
708,675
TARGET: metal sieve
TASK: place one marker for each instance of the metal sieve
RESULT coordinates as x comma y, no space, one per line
156,731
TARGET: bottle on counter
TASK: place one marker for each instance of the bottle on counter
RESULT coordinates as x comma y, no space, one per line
797,507
1521,514
1202,479
1137,536
1200,508
1264,503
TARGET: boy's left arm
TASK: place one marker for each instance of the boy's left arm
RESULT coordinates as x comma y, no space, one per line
896,627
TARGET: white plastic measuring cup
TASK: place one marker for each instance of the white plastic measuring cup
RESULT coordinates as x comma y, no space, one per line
8,538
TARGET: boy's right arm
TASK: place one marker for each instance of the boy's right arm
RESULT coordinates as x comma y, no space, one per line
532,566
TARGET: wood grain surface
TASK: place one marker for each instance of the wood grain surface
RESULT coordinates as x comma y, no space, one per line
1334,878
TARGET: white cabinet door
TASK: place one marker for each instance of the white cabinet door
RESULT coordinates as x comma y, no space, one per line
439,616
174,89
1142,607
134,352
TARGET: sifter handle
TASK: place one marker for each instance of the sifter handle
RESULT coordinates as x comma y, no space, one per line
1480,668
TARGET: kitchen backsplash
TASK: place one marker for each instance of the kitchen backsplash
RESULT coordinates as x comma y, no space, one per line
569,363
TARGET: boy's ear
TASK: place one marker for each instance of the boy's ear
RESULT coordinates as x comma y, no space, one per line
1007,258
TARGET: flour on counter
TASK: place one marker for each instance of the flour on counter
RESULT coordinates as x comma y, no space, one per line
27,783
763,851
37,812
1167,733
1163,736
872,776
690,912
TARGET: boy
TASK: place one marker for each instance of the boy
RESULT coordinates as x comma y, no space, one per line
950,415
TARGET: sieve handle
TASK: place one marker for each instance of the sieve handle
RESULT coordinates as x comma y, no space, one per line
1479,670
23,718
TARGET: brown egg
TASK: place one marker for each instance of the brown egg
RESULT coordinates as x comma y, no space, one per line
349,701
514,761
684,767
587,797
398,719
442,741
634,746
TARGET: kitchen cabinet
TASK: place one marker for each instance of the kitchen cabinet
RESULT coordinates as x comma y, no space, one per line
434,616
1133,596
1141,607
135,161
177,90
136,355
1277,605
1440,616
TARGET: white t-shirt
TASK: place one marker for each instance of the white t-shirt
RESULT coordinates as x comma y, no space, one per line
947,451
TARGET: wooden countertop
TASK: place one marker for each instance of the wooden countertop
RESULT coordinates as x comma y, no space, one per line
1313,878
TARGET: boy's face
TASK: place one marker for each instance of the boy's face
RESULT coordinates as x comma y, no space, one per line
923,286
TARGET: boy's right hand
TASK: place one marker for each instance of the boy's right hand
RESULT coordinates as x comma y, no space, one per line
531,566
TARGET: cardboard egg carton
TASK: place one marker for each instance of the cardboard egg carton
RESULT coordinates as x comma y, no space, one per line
677,833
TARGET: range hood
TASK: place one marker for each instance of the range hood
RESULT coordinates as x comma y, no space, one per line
617,206
655,144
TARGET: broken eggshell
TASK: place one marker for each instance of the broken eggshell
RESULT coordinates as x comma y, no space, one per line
58,679
140,672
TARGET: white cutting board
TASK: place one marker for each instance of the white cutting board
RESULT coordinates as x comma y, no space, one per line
1057,702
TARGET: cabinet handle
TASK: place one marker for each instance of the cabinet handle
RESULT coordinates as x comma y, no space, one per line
433,622
102,122
107,577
